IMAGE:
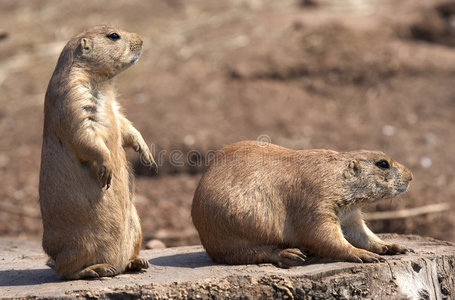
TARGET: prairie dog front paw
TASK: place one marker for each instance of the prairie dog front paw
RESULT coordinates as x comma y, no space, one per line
148,160
360,255
393,249
104,175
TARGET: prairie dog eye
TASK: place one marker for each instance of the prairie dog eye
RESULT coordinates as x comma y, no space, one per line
113,36
382,164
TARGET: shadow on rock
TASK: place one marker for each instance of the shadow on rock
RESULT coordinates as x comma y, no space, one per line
27,277
185,260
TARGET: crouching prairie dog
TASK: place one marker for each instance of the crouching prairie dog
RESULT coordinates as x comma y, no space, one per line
91,227
262,203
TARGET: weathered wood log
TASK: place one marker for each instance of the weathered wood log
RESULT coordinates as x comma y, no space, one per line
188,273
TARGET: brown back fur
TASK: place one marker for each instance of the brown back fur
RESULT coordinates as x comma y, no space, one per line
257,194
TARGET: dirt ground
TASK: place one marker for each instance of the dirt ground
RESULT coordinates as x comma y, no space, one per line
343,75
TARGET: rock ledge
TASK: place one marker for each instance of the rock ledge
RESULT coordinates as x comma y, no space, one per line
187,272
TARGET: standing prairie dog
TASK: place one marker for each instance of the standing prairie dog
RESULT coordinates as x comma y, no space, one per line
262,203
91,227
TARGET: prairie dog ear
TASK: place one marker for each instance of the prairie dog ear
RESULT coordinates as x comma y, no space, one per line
353,169
86,46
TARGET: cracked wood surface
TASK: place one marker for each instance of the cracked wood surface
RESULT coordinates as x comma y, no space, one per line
187,272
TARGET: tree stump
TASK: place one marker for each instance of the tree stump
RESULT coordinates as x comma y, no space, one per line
188,273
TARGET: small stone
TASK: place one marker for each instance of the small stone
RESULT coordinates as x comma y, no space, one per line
388,130
189,140
155,244
426,162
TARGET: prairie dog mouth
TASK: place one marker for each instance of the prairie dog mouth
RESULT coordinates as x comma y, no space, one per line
135,57
401,189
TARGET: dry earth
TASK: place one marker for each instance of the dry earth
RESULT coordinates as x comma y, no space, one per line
377,75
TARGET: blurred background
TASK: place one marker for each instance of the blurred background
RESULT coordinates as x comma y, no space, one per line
338,74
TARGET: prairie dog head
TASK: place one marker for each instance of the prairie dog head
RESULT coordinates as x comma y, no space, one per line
106,50
371,176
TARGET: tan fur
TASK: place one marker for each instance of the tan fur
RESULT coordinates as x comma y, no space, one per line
260,202
91,227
